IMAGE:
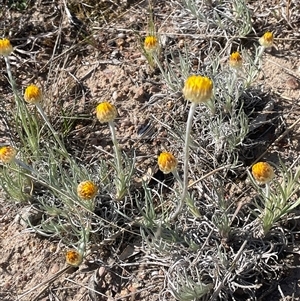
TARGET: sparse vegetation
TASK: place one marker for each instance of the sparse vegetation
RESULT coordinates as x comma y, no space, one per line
210,219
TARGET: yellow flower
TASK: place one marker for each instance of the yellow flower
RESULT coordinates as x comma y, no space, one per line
235,60
150,43
167,162
262,172
7,154
267,39
87,190
33,94
73,258
198,88
5,47
106,112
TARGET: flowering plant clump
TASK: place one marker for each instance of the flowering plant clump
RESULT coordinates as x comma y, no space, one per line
197,216
167,162
106,112
198,88
262,172
267,40
235,60
280,199
5,47
33,94
73,258
87,190
151,43
7,154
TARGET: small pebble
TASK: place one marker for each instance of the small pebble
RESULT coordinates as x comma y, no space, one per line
52,248
181,43
121,35
115,95
292,83
120,42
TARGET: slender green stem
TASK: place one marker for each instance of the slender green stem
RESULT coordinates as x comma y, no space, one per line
116,147
23,119
121,181
267,191
268,220
177,177
260,52
255,69
10,77
228,107
186,149
42,113
12,82
25,166
186,160
85,236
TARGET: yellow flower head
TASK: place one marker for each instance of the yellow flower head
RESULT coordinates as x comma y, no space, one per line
267,39
7,154
235,60
262,172
33,94
5,47
198,88
87,190
150,43
167,162
106,112
73,258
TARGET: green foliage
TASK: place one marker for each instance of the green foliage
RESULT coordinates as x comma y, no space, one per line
188,226
20,5
280,200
